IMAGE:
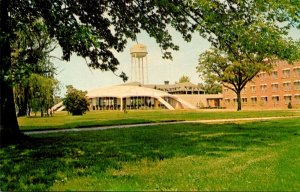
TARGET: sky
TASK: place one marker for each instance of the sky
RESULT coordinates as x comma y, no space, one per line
76,72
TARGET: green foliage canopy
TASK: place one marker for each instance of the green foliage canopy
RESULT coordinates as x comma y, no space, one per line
95,29
75,101
92,29
210,86
184,79
42,92
250,27
30,52
246,37
31,62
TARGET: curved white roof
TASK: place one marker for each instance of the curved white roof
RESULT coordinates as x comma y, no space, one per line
126,91
123,91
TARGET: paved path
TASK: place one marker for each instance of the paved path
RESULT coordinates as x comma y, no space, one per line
154,124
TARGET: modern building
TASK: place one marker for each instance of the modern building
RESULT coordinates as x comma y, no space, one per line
137,96
121,97
279,88
275,89
191,93
186,88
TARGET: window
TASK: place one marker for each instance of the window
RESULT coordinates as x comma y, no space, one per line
287,86
235,101
297,85
297,99
263,88
274,74
227,101
264,99
244,100
287,99
275,99
225,90
253,88
253,100
274,87
263,76
286,73
296,71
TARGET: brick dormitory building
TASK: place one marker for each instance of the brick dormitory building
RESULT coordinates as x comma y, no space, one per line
272,90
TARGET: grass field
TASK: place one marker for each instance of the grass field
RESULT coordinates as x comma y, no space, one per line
101,118
253,156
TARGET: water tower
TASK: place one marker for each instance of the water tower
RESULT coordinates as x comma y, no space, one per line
139,63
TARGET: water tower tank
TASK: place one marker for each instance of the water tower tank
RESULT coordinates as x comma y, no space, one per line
138,50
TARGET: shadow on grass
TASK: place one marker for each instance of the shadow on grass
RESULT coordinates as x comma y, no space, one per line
45,159
87,124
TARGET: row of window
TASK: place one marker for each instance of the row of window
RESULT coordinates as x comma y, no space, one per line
286,73
264,99
287,86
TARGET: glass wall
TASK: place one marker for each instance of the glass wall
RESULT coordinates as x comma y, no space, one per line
140,102
130,103
106,103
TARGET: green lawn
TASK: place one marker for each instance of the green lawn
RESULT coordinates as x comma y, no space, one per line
260,156
100,118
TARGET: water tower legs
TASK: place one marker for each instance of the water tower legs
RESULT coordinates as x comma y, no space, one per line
147,80
143,71
139,62
131,69
135,72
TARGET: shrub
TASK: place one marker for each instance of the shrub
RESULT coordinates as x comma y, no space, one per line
290,105
75,102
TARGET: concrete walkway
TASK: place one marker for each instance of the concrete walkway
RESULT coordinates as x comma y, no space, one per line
154,124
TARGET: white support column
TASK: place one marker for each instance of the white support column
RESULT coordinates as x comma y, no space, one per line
139,62
131,72
121,103
135,68
147,70
143,71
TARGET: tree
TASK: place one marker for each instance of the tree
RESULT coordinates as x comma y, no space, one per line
184,79
246,37
247,27
30,53
91,29
36,92
42,92
210,86
219,67
94,29
75,101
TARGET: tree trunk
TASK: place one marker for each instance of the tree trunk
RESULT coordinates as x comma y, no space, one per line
239,102
23,107
42,112
9,129
42,107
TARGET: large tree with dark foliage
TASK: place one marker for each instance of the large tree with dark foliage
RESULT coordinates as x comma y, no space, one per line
92,29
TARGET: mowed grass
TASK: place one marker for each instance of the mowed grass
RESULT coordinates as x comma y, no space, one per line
253,156
62,120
